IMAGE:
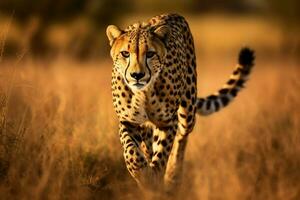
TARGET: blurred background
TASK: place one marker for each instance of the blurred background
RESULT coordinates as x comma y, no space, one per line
59,132
76,28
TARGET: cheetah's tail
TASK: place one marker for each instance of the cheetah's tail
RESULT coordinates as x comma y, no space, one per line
213,103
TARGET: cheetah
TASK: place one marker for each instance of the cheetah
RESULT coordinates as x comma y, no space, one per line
154,92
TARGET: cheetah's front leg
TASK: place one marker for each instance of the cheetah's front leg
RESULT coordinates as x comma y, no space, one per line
135,160
162,145
186,122
172,177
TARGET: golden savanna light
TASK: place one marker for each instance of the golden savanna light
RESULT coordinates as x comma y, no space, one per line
59,133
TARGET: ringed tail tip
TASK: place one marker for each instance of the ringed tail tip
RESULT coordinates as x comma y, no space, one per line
246,57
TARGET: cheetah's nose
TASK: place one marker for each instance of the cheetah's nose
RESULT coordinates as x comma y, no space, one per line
137,76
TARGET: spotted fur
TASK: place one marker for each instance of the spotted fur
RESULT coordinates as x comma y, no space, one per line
154,89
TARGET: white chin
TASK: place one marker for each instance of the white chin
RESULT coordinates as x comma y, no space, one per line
137,86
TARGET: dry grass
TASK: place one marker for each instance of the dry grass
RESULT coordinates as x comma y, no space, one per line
251,150
58,133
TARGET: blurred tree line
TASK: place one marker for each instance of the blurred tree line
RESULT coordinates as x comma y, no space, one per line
287,13
36,16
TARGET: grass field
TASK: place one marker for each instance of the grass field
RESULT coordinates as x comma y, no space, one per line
58,133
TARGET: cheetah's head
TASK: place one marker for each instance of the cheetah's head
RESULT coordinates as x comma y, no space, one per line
138,53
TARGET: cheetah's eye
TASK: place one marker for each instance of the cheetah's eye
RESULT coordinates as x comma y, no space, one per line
150,54
125,54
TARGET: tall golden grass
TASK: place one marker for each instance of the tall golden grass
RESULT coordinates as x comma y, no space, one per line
58,133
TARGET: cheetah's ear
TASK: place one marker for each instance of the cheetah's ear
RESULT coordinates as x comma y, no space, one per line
162,32
113,32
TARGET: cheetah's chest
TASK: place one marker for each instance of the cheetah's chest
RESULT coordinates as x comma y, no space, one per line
158,104
128,106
